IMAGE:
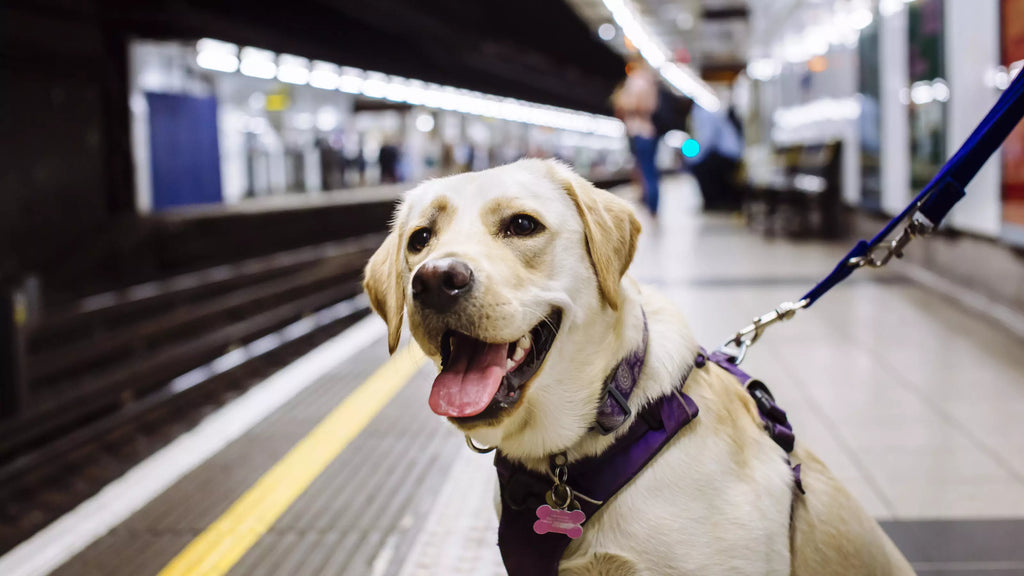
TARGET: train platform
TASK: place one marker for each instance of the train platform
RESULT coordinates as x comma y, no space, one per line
335,465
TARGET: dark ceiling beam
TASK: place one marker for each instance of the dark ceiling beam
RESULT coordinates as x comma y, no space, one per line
726,13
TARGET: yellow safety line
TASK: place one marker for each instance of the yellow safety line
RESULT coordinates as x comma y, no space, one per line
224,542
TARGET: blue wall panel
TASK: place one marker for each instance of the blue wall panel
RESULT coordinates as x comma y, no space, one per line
183,146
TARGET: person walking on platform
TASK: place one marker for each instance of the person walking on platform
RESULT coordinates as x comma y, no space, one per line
635,102
717,159
388,158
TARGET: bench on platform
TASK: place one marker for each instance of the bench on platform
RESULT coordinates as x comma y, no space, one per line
804,200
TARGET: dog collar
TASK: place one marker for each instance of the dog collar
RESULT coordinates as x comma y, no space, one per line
614,410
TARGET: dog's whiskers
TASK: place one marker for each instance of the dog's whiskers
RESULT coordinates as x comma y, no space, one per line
544,317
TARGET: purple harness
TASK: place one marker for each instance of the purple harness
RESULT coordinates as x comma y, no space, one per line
597,479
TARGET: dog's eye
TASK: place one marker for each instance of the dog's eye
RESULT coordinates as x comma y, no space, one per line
419,239
522,225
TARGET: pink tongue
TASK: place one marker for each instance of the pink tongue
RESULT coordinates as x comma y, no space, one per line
472,377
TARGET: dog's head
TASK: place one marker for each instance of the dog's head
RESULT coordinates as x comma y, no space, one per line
499,272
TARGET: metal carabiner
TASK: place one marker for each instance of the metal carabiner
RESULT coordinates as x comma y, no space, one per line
738,353
915,228
750,334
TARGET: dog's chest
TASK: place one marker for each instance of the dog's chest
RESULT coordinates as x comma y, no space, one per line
695,510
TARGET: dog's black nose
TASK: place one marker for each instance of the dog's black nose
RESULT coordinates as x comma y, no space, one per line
438,284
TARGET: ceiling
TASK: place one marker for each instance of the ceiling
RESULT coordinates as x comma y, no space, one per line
544,51
534,50
711,35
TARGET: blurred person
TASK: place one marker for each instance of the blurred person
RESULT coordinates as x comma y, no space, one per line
717,161
447,159
635,102
332,165
355,164
388,159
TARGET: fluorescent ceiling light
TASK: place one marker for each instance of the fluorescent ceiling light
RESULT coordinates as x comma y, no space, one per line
636,32
324,75
397,89
211,45
687,82
257,63
216,55
681,77
216,61
292,69
351,80
375,85
265,64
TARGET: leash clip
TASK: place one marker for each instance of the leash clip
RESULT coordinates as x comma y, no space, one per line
914,229
736,347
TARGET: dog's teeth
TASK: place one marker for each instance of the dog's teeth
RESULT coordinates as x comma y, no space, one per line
524,342
509,364
519,353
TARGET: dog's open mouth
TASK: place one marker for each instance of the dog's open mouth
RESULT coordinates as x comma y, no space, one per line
480,379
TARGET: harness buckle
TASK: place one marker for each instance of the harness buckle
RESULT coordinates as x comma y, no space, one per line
618,398
762,397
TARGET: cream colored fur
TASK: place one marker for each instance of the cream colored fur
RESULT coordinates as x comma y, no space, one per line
719,499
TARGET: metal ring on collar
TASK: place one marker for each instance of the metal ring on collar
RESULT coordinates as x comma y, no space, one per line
478,449
561,496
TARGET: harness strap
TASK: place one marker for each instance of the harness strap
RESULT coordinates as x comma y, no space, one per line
776,422
596,480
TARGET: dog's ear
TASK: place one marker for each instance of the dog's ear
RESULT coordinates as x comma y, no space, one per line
382,281
610,226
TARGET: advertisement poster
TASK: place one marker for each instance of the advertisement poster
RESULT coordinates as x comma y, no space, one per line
1013,149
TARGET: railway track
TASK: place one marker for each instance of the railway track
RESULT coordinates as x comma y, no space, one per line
115,376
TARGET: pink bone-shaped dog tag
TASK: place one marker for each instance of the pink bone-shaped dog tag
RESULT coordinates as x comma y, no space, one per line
566,522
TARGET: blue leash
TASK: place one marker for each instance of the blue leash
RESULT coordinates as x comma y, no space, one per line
933,202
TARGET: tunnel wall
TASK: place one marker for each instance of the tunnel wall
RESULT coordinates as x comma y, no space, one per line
65,164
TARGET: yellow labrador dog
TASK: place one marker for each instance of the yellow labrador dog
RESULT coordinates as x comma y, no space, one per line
513,282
